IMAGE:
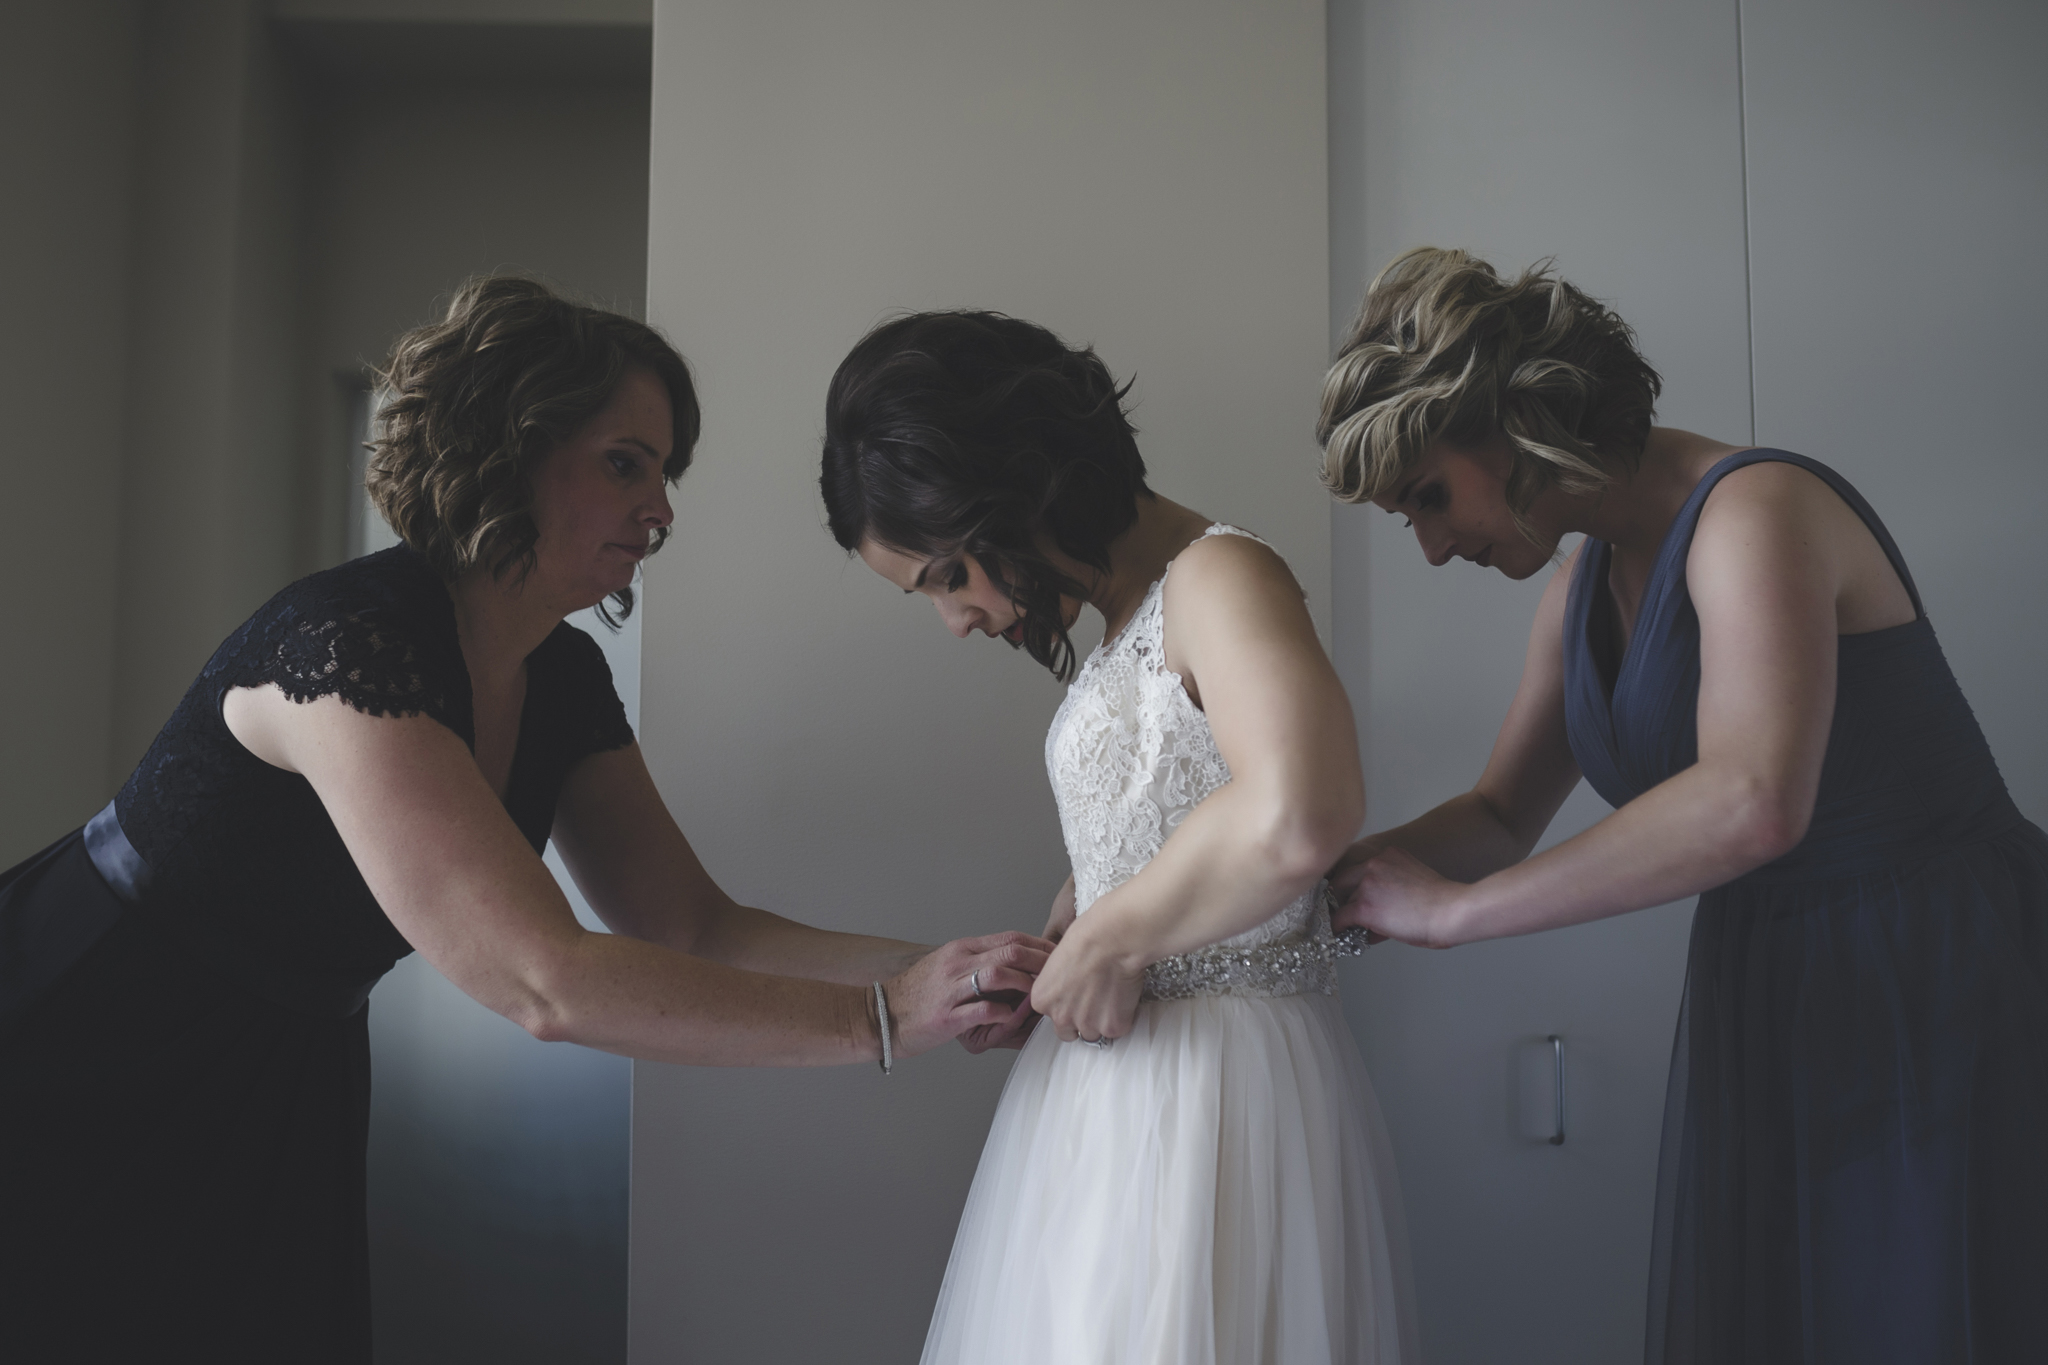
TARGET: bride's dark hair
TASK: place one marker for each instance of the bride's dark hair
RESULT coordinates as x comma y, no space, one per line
965,433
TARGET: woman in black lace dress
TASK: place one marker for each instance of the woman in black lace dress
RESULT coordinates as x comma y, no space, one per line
372,764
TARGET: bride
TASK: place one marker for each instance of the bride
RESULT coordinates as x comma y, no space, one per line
1187,1164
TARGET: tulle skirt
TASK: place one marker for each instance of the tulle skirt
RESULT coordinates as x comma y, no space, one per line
1855,1168
1216,1189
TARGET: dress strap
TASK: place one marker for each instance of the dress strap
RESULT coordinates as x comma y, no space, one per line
1215,528
1688,518
1152,611
1221,528
1224,528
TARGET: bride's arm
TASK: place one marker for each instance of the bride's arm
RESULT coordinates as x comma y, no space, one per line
1241,637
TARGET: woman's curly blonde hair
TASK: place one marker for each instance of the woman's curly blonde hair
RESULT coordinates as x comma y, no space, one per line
478,399
1443,349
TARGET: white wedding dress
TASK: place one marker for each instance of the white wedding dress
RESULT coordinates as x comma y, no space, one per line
1216,1188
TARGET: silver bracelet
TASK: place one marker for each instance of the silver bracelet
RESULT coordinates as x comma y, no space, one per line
888,1045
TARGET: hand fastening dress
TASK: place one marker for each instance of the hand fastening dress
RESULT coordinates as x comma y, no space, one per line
1217,1188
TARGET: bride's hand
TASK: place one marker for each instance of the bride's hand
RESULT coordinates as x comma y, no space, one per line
1393,894
934,998
1085,990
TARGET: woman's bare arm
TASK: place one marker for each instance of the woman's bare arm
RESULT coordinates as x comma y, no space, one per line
1774,557
1527,778
460,883
1240,635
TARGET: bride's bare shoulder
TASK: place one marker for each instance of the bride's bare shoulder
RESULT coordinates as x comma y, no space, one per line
1230,598
1227,561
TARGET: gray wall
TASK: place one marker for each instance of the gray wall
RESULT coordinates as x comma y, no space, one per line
67,155
1143,175
210,489
150,490
1861,176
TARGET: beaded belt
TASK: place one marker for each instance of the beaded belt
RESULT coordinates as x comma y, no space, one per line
1293,966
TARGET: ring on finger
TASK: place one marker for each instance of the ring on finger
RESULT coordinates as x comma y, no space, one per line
1103,1043
974,982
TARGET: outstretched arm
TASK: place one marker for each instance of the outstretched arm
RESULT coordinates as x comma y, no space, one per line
460,883
1240,636
1768,567
1527,778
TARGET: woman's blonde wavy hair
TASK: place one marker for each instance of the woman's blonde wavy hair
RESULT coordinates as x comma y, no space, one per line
479,398
1444,350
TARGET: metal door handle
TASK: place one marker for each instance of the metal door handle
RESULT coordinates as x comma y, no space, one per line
1557,1058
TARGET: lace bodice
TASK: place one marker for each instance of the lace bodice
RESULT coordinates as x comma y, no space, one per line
1130,755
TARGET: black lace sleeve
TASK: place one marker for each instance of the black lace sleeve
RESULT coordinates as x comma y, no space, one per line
221,829
370,633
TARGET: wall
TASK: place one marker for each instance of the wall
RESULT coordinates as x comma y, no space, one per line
156,277
210,487
1859,176
67,156
1141,175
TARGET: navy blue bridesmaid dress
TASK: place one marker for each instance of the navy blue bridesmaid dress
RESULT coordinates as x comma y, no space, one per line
1855,1161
